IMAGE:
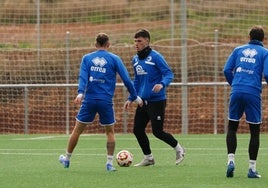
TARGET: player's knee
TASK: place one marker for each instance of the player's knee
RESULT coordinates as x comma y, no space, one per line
135,131
233,126
158,133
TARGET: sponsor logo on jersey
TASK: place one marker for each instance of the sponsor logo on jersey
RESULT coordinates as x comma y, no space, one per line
240,69
91,79
248,55
99,62
140,70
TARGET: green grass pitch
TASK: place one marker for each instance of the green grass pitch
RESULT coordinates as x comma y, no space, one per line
32,161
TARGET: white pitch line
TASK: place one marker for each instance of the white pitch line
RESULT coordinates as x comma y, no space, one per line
40,138
95,154
94,151
48,154
102,136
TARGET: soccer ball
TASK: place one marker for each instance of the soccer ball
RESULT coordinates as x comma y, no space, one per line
124,158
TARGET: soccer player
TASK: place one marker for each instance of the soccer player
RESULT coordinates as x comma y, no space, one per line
152,77
244,70
97,81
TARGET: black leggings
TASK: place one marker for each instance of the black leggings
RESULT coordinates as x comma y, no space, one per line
254,143
154,112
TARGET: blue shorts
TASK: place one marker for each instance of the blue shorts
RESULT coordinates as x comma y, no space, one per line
245,103
90,108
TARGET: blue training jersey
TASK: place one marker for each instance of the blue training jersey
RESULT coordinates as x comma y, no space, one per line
246,66
150,71
97,79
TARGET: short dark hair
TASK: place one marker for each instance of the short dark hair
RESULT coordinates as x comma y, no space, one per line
142,33
256,33
102,39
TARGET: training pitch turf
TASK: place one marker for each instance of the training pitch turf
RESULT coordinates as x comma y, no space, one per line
32,161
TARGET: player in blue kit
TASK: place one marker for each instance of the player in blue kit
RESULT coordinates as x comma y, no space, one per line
244,70
152,77
97,82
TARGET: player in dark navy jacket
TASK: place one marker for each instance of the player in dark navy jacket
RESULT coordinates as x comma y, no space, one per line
152,76
244,71
97,81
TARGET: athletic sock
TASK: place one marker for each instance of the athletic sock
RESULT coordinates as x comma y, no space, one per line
68,155
231,157
150,156
252,165
178,147
110,159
